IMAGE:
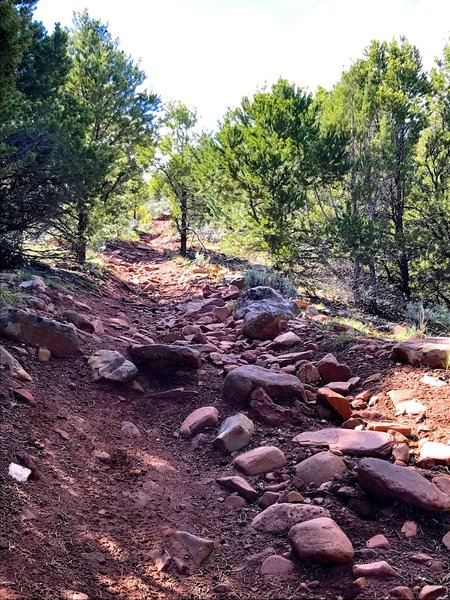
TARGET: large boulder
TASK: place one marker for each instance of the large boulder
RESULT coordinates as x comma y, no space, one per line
349,441
429,352
241,382
112,366
29,328
166,356
387,481
263,310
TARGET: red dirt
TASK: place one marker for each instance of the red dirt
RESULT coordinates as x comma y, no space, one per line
157,484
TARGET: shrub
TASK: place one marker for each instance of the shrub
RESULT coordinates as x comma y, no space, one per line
435,318
264,276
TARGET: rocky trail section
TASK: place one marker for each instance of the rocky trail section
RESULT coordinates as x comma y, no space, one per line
167,435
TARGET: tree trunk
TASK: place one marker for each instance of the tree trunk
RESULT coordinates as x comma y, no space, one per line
81,238
183,225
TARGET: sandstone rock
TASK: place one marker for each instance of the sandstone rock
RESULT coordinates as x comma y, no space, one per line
260,460
80,321
432,592
161,558
334,401
321,540
36,284
166,356
331,369
409,529
348,441
19,473
235,433
429,352
199,419
401,452
375,569
344,387
112,366
12,366
221,313
446,540
280,518
270,413
402,592
268,498
234,501
240,485
387,425
277,566
409,407
320,468
241,382
433,453
199,548
308,373
403,484
129,428
285,340
378,541
60,339
44,354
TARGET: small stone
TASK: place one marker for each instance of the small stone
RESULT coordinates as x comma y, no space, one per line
279,518
235,433
294,497
446,540
112,366
239,485
129,428
78,596
334,401
433,453
401,452
409,529
221,588
199,548
331,370
277,566
19,473
378,541
268,498
102,456
235,501
308,373
260,460
44,354
355,588
402,592
320,468
321,540
199,419
161,558
270,413
431,592
375,569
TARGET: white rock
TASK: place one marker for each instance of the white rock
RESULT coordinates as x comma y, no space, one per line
18,472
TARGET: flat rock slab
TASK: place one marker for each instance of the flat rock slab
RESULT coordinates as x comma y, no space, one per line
348,441
199,548
238,484
280,518
320,468
385,480
332,370
199,419
429,352
235,433
111,365
29,328
12,366
270,413
241,382
277,566
321,540
260,460
167,356
333,400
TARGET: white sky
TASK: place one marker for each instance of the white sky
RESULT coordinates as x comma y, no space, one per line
210,53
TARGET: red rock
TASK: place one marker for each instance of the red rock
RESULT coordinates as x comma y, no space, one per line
386,426
401,592
321,540
348,441
44,354
401,453
199,419
260,460
403,484
24,395
375,569
433,453
279,518
401,395
241,382
240,485
80,321
268,498
285,340
429,352
432,592
334,401
378,541
166,356
221,313
320,468
446,540
271,413
198,548
161,558
331,370
343,387
235,433
235,501
308,373
277,566
409,529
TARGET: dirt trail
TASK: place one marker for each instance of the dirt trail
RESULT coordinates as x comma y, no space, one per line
90,527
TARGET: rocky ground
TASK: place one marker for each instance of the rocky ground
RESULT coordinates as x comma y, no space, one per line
122,476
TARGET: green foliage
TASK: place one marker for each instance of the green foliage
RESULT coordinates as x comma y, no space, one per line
262,276
9,297
435,318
